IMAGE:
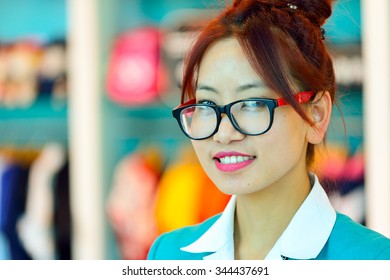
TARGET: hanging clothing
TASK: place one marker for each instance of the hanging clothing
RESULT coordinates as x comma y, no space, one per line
130,206
62,214
4,247
13,202
35,226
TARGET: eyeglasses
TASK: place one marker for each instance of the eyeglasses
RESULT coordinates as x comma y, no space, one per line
253,116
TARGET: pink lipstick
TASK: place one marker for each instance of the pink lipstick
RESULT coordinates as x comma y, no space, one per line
232,161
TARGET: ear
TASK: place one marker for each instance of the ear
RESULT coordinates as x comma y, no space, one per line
319,112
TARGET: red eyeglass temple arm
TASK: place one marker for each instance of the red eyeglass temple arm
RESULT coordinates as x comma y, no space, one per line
189,102
301,97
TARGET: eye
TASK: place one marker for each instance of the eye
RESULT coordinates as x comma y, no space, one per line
206,102
253,105
204,108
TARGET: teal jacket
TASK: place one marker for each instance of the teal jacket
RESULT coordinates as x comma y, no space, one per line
347,241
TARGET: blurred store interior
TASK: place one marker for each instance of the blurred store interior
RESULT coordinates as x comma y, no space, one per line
93,166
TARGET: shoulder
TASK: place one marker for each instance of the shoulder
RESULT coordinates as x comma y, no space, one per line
350,240
167,246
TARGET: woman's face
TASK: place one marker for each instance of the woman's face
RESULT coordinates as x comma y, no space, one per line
236,163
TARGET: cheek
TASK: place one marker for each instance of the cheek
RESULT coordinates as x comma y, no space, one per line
286,137
290,123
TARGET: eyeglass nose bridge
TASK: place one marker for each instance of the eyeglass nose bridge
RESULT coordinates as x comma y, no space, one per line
226,109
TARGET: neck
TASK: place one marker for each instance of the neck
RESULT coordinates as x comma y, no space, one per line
262,217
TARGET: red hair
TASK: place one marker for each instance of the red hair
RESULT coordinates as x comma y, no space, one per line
282,40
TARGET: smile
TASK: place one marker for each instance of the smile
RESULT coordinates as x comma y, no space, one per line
231,162
234,159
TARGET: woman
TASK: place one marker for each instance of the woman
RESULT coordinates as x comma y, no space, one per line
257,97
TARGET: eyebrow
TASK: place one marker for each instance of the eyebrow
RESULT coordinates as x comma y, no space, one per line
250,86
206,88
239,89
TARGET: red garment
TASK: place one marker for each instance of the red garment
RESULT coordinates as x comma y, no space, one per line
130,206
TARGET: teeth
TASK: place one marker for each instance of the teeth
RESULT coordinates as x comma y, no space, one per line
234,159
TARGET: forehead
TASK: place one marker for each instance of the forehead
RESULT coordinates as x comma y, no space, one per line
224,47
225,60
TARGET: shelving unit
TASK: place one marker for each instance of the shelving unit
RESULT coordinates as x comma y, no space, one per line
45,120
29,128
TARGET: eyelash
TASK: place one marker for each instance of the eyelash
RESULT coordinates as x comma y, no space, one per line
205,102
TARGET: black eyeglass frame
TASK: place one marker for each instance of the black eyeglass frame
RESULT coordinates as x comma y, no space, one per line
301,97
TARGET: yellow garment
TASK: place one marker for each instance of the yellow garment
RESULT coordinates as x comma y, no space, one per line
178,196
185,195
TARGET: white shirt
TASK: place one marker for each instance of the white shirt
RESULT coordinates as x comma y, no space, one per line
303,238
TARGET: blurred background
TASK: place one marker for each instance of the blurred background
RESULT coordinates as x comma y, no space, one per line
93,166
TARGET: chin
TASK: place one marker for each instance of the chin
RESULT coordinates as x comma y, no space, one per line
233,187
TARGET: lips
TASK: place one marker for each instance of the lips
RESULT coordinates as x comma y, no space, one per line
232,161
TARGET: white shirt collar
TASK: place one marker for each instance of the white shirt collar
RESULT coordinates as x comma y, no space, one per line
304,237
219,237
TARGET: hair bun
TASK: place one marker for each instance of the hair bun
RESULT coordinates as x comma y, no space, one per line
318,11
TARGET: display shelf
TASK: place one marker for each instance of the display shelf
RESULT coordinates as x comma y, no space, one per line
44,121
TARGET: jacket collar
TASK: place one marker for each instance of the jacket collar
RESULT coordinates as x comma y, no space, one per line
304,237
219,237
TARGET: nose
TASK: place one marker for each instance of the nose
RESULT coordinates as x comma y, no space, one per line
226,132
